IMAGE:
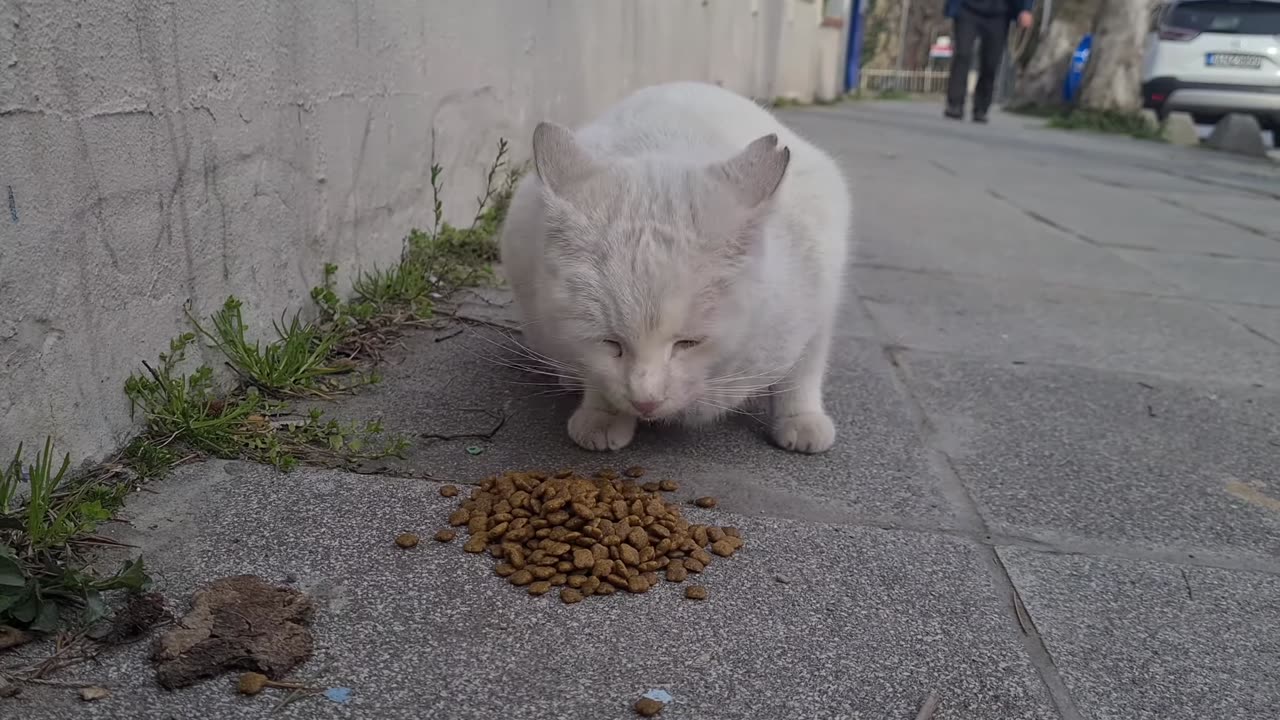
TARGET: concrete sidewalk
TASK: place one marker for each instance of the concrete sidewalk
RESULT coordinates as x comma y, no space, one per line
1054,495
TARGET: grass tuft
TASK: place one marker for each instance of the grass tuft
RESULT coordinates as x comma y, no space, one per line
1106,121
44,517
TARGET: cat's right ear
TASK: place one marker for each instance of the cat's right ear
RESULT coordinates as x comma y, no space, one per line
558,158
756,172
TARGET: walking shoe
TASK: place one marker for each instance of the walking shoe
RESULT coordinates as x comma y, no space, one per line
979,117
954,112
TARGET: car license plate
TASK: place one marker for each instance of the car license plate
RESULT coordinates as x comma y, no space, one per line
1233,60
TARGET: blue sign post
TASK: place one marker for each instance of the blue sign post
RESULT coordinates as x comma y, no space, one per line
1075,73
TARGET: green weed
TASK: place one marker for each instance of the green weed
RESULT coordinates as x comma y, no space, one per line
41,580
299,361
434,264
186,410
1106,121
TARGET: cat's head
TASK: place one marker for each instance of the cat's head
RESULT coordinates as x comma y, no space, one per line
652,260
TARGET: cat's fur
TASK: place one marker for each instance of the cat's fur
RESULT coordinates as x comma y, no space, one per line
684,214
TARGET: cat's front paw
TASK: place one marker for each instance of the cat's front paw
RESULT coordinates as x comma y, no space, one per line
596,429
811,432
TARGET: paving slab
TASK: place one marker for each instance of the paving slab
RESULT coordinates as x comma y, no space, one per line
937,227
1023,320
1059,454
1264,320
1149,641
1216,279
878,468
868,622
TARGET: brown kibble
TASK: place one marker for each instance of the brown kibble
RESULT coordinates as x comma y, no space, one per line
705,502
695,592
251,683
449,491
407,540
585,534
638,538
731,531
628,554
722,548
648,707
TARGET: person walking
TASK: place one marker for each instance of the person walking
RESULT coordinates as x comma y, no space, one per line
986,21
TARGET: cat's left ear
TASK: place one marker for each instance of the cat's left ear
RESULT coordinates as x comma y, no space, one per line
755,173
558,158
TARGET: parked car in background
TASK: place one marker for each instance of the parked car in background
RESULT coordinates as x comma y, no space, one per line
1214,57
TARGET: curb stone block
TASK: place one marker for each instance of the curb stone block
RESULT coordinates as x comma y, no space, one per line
1180,129
1240,134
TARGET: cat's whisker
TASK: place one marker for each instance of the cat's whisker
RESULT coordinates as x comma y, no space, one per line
527,352
526,368
734,410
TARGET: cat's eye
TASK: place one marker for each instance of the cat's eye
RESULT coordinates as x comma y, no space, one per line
614,346
686,344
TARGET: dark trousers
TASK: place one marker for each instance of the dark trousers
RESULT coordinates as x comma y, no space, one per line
993,32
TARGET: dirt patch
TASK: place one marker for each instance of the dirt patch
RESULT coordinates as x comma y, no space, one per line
137,618
238,623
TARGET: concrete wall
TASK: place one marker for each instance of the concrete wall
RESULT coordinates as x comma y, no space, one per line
159,153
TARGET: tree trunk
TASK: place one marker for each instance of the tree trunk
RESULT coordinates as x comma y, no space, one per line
1038,84
1113,76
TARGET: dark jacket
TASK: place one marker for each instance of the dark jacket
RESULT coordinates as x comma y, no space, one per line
1015,7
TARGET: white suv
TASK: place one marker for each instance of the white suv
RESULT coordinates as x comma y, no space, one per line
1213,57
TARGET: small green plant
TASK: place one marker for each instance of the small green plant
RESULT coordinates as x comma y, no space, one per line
186,410
41,575
1106,121
299,361
434,264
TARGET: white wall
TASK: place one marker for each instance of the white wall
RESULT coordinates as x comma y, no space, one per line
170,152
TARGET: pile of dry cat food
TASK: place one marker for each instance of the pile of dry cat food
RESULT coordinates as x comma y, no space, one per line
587,535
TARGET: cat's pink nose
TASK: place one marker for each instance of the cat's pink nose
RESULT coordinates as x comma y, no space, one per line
647,407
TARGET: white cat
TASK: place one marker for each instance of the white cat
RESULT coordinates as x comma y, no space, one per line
681,255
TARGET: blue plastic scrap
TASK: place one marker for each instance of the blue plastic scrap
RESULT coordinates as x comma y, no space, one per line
661,696
338,694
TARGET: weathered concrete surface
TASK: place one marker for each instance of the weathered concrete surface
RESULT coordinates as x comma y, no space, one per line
1053,495
877,619
159,153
